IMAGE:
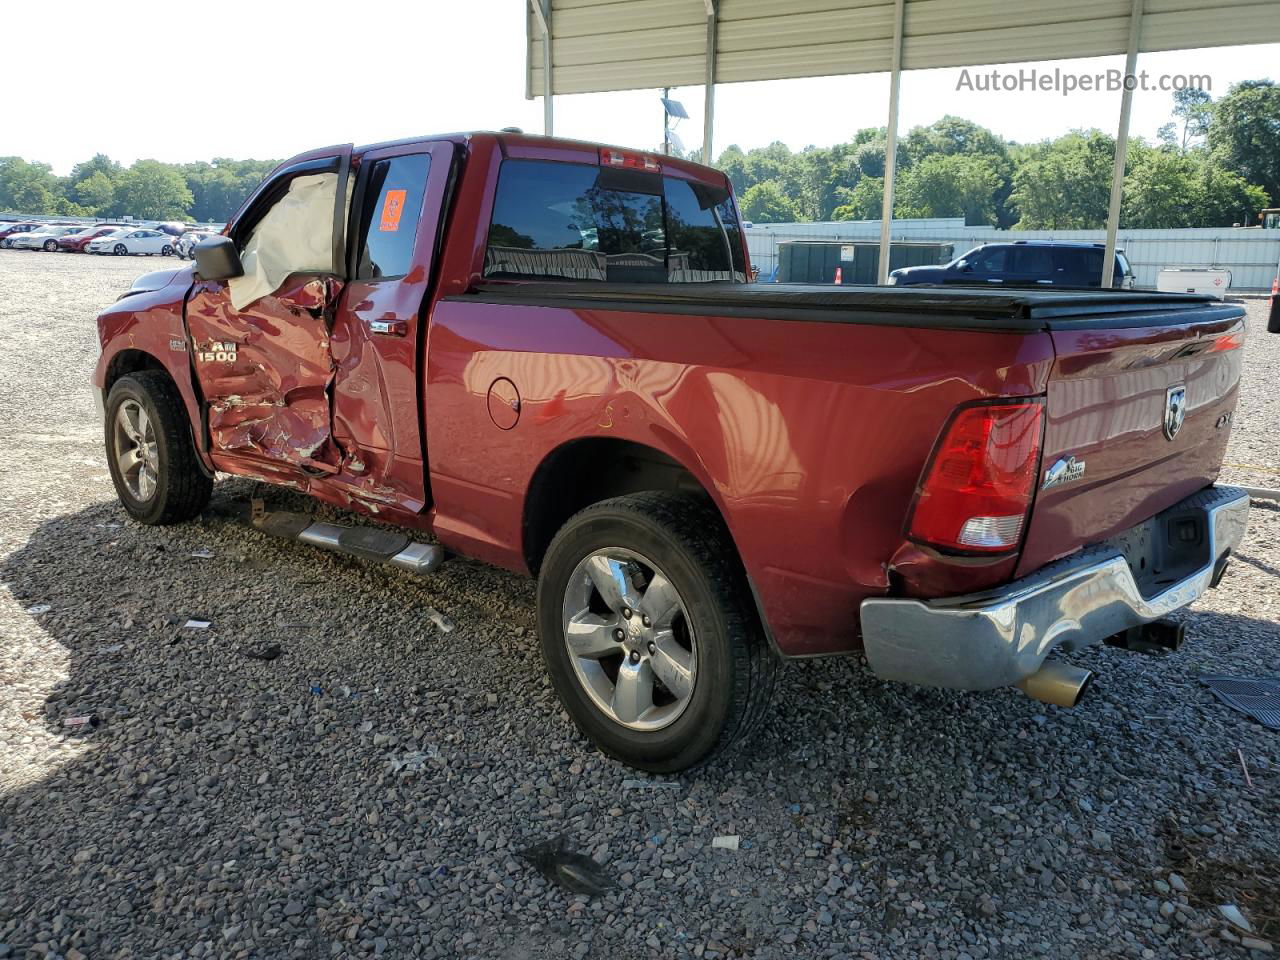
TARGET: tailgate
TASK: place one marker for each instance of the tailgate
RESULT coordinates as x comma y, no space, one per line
1113,404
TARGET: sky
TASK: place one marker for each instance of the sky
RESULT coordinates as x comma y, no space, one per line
180,82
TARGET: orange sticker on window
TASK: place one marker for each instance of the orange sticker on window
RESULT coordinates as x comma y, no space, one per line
392,208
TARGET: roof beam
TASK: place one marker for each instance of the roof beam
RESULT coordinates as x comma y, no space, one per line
1122,145
709,88
542,12
891,141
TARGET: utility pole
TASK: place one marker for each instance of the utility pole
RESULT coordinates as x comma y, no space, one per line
666,120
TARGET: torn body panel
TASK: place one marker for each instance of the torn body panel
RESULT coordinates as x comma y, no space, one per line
266,371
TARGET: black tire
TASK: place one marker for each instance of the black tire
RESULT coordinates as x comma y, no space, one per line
687,539
166,251
50,246
121,250
182,488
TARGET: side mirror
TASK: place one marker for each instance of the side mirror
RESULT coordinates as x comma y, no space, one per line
965,266
217,259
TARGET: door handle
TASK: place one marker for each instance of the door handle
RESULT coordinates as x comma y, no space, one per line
389,328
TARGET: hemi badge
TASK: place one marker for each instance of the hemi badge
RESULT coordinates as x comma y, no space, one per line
1064,471
179,345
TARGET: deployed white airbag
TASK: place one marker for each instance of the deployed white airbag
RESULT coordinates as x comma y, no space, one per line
294,236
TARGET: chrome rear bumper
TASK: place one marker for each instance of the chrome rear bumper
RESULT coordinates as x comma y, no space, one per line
997,638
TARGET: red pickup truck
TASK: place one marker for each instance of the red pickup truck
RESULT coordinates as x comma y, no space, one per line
546,355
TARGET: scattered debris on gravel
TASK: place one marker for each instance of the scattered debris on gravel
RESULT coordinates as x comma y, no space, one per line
377,786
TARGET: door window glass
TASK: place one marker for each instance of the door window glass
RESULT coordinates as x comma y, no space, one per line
993,260
1034,262
1074,264
389,218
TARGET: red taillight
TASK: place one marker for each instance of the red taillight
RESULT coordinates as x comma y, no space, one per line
629,160
977,489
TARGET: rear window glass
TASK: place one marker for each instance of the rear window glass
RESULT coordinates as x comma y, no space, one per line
568,221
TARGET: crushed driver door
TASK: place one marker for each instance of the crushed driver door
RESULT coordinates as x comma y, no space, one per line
260,342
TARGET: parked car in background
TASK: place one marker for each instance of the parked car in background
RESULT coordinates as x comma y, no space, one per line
185,245
124,242
46,238
1045,263
78,241
11,231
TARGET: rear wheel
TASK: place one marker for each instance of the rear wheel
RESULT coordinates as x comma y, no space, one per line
50,246
166,251
649,632
150,453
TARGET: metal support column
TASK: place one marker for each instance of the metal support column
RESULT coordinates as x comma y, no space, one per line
542,12
1122,145
709,104
891,141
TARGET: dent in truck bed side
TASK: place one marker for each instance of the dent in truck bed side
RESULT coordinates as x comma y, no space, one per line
809,437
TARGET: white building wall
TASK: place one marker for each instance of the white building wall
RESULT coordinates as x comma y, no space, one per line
1250,254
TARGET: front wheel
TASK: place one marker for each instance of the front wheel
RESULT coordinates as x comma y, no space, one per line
649,632
120,250
150,452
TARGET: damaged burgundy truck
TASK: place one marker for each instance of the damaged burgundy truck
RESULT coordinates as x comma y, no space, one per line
545,355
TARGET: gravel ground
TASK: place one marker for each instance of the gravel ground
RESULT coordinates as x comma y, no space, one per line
367,793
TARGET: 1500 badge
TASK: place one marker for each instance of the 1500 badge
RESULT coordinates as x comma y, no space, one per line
217,353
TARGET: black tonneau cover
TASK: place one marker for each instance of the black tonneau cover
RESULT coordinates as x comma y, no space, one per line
980,308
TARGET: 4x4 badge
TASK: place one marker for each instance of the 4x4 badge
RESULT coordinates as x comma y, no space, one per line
1175,410
1064,471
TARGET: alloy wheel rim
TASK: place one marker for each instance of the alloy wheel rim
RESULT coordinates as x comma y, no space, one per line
629,638
137,454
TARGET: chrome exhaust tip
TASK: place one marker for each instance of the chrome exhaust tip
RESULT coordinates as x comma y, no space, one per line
1058,683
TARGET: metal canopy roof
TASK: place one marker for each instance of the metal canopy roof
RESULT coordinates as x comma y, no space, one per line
589,46
600,45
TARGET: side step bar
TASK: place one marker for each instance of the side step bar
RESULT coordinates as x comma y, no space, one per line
367,543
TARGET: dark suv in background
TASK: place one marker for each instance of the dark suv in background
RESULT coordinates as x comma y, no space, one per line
1023,263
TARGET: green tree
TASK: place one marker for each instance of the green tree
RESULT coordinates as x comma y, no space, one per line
864,202
1193,107
734,164
869,158
949,186
1166,189
95,193
1226,198
1064,184
1244,133
768,163
951,136
100,163
816,177
151,190
219,188
768,202
1159,190
27,187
